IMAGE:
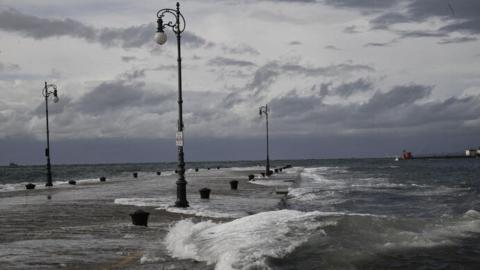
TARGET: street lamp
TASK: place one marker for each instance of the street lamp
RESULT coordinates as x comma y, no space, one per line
46,93
265,110
178,26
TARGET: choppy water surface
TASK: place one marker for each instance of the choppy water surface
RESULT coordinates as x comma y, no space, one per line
338,214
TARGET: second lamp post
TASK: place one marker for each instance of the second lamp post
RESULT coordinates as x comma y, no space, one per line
265,110
46,93
178,26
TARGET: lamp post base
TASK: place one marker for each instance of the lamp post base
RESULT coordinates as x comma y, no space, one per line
182,204
49,185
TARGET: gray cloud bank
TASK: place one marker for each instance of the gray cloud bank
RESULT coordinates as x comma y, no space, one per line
457,15
31,26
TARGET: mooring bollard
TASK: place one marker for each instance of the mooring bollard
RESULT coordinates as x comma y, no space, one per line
30,186
103,179
135,175
72,182
234,184
263,174
270,172
208,169
251,176
280,169
218,167
196,169
159,173
276,170
140,217
176,171
204,193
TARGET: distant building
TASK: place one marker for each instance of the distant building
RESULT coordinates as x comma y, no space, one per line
472,152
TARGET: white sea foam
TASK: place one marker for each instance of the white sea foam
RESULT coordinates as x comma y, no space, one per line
153,202
446,233
244,243
167,173
472,214
272,183
9,187
19,186
251,168
216,207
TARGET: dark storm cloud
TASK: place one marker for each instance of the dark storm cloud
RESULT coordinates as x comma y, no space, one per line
470,26
133,75
40,28
398,96
457,40
223,61
63,103
421,34
112,96
460,15
348,89
385,20
364,5
267,74
389,111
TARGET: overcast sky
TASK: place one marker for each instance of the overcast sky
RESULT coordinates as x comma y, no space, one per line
343,78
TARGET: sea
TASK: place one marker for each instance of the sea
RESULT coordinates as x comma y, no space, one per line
337,214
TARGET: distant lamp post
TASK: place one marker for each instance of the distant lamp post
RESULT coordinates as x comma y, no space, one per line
178,26
264,110
47,93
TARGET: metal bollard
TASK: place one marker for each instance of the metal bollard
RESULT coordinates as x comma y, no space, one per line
205,193
30,186
140,217
234,184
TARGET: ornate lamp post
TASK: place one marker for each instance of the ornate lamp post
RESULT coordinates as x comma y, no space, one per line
265,110
46,93
178,26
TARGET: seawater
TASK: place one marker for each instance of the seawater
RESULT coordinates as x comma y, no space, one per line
352,214
338,214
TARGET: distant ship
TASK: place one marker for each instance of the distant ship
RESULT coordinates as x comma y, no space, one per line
13,165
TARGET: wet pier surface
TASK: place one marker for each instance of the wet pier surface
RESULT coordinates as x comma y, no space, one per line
87,226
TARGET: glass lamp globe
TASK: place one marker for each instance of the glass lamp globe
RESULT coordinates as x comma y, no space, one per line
55,99
160,38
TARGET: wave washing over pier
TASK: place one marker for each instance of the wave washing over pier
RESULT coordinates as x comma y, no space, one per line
337,214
